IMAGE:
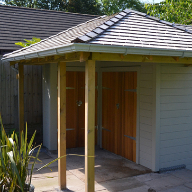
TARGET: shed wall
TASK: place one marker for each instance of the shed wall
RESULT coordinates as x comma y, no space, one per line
176,116
32,98
145,119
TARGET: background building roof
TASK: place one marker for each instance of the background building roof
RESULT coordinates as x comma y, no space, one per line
18,23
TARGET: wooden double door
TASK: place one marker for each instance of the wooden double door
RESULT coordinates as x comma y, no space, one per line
75,107
119,104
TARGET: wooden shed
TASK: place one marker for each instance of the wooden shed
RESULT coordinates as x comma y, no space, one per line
123,82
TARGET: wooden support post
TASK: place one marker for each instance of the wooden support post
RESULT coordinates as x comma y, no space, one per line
62,124
21,98
89,126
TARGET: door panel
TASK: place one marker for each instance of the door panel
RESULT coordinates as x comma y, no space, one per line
119,113
76,109
81,109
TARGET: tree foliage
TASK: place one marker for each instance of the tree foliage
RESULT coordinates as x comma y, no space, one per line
113,6
177,11
59,5
84,6
94,7
75,6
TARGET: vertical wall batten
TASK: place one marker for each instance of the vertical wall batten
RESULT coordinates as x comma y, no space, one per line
99,105
21,98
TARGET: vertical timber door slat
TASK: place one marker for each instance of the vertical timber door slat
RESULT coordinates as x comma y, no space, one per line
130,116
135,117
108,111
71,120
81,109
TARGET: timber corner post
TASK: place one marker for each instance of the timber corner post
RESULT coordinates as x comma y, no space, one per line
21,98
90,126
62,124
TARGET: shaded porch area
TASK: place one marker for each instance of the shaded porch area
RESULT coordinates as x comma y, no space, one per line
112,172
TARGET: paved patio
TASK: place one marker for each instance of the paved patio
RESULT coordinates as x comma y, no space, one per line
112,173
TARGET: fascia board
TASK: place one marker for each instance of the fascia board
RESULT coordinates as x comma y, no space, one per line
77,47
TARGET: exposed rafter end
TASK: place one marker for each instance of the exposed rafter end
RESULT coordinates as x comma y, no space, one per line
84,56
149,57
176,58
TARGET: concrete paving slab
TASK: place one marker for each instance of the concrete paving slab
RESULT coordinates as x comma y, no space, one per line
164,182
151,176
183,174
121,184
143,188
112,173
189,185
45,184
108,166
177,189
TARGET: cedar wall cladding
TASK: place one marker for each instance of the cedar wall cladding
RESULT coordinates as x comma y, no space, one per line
176,116
146,94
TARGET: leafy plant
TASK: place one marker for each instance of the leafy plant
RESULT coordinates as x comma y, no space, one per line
113,6
28,42
15,157
177,11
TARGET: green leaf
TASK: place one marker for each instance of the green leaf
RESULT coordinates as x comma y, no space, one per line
14,167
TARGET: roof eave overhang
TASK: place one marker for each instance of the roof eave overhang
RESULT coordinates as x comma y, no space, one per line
84,47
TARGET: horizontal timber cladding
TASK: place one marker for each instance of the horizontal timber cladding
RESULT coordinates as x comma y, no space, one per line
176,116
32,97
146,112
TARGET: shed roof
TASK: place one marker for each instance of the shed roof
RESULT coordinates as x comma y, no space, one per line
129,28
18,23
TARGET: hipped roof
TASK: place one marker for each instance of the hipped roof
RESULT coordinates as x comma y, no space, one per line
128,29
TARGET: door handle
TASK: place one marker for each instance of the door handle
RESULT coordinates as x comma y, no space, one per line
79,103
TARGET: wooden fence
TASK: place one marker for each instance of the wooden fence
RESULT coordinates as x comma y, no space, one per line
32,96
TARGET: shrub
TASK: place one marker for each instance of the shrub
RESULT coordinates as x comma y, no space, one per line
15,157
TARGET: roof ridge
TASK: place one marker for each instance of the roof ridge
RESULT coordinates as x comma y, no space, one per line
12,6
24,48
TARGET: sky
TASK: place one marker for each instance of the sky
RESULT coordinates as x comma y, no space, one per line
151,1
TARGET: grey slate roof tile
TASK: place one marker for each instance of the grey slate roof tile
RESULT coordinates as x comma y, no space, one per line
17,24
128,28
119,16
114,19
91,34
84,38
98,30
104,26
109,23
